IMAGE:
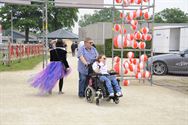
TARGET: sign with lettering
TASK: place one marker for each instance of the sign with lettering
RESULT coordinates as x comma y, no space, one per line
25,2
182,63
80,3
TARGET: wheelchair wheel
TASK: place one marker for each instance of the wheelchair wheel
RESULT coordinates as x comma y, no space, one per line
97,101
89,94
108,99
116,100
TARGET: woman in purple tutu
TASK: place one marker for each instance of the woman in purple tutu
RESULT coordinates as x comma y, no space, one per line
55,70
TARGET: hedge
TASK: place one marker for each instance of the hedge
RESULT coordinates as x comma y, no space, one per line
108,49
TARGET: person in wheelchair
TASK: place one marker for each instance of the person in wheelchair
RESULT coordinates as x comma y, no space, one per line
99,66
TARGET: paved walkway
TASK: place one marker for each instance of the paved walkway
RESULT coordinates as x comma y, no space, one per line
142,104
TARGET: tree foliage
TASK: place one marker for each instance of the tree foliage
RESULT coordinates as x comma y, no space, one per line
173,15
62,17
29,18
104,15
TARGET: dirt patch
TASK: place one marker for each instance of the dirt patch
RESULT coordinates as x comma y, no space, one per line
178,83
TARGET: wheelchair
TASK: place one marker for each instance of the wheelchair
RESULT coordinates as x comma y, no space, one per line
96,89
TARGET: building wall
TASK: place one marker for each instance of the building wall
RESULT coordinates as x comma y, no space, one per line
183,38
174,43
98,32
161,41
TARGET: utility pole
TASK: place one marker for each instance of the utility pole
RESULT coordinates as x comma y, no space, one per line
46,29
12,26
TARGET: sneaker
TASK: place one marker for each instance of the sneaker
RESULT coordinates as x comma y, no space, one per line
119,94
111,95
61,93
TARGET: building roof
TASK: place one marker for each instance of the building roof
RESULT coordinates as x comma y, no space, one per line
16,34
168,27
62,34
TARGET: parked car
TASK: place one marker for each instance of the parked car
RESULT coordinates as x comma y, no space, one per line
169,63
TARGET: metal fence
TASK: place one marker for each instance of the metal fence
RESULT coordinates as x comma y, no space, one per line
16,52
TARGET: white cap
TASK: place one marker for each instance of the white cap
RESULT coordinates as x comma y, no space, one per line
81,43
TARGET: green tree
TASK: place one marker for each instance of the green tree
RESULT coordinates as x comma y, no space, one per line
61,17
104,15
24,17
27,18
173,15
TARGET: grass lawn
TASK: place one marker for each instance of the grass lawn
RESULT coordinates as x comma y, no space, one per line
25,64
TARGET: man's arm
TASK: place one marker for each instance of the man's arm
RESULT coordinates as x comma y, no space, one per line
83,60
81,57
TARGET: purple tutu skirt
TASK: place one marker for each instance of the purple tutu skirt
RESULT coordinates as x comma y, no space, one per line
46,79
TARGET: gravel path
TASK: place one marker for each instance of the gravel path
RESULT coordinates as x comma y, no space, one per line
142,104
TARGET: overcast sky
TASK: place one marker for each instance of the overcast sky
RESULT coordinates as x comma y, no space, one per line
160,5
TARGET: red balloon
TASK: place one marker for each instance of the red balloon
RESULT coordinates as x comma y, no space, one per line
138,1
126,65
131,1
118,41
126,82
146,74
130,37
138,75
133,27
141,66
146,16
147,37
131,67
117,27
130,55
117,67
122,15
116,59
138,13
137,35
142,45
124,31
144,30
115,42
135,61
118,1
144,58
135,44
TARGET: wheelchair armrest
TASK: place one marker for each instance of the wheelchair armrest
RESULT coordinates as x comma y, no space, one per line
112,72
98,74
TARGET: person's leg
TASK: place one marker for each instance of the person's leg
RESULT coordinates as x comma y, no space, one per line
73,52
82,80
115,84
108,84
60,86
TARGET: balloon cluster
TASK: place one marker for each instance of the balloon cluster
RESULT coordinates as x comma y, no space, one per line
135,65
136,39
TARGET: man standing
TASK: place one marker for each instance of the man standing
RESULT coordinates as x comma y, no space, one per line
73,49
86,55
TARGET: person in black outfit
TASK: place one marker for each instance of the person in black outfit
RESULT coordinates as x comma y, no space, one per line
73,49
76,45
56,70
60,54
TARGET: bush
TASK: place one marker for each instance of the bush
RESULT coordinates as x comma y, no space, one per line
108,49
100,49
